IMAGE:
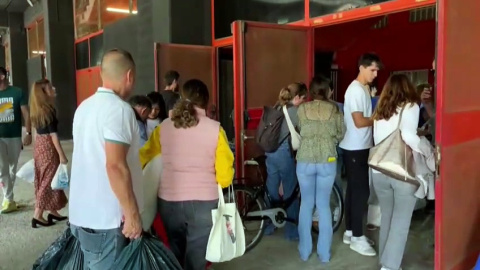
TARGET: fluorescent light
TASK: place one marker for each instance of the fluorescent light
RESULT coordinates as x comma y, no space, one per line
38,52
121,10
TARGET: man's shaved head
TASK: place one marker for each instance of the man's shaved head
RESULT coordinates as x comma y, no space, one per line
118,72
116,63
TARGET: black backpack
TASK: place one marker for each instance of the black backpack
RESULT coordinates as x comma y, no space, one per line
268,131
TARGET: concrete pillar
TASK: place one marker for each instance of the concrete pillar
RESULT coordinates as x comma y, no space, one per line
59,43
19,51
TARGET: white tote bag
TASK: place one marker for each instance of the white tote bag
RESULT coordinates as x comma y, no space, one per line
27,171
227,237
151,180
296,138
61,178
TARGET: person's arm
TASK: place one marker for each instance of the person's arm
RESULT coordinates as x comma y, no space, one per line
28,125
340,125
151,148
408,126
118,135
53,131
361,121
224,161
356,101
119,176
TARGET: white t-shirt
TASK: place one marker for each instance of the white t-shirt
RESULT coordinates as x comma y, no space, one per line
357,99
383,128
102,117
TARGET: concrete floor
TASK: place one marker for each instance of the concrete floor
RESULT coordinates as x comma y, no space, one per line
20,245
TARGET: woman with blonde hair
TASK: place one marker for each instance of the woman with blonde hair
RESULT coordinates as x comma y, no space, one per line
397,107
48,154
281,163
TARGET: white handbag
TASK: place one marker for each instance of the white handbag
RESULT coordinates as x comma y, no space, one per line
227,237
296,138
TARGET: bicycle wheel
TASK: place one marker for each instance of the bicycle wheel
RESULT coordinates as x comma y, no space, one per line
246,203
337,209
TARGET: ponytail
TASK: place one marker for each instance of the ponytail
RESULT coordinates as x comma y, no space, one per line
184,114
284,97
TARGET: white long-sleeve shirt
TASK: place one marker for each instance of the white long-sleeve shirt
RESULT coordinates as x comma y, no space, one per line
383,128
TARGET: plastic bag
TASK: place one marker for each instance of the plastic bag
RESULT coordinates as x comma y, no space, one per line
146,253
151,180
27,171
64,253
61,179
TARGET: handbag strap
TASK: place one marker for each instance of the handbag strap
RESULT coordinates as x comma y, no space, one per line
221,199
291,128
400,117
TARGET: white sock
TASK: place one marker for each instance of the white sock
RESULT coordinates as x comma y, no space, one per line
348,233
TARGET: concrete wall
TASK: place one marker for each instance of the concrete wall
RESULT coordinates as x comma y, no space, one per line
19,51
171,21
2,56
59,42
33,13
3,18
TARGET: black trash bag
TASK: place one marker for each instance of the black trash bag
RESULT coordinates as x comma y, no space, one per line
64,253
147,253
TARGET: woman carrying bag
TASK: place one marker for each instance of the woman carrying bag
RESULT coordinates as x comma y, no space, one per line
395,137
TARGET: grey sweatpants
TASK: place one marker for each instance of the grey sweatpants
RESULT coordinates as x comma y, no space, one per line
397,202
10,149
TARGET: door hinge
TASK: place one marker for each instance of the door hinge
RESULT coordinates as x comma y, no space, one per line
438,158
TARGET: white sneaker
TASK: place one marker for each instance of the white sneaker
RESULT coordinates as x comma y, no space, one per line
362,246
347,237
385,268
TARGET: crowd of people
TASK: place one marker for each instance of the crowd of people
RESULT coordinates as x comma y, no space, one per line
111,128
348,131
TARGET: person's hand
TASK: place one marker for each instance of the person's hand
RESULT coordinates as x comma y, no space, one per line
27,140
426,95
132,227
63,160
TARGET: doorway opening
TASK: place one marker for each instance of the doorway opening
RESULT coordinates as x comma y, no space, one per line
225,90
405,43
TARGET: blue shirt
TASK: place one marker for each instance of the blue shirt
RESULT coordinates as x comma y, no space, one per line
143,132
374,102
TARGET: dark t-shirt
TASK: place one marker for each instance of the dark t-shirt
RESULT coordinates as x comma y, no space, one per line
170,99
52,127
11,101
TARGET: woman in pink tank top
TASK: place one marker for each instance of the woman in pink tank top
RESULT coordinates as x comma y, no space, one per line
196,159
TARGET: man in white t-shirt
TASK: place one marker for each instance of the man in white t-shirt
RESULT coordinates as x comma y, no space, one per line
106,194
356,144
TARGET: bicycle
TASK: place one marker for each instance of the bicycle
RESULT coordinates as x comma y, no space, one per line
252,206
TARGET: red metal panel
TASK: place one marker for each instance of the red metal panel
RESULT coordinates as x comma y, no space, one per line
190,61
88,36
223,42
458,108
88,80
270,50
369,11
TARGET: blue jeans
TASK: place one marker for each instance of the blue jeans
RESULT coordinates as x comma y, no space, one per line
316,183
101,248
281,169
